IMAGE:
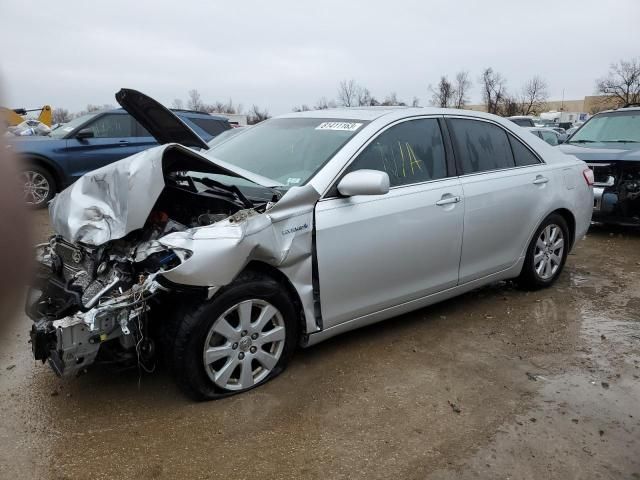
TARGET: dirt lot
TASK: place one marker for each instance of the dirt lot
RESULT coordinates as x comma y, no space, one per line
498,383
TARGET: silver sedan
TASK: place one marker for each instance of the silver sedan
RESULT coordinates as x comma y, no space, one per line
293,231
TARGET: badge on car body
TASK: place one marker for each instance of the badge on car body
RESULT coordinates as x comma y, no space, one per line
76,256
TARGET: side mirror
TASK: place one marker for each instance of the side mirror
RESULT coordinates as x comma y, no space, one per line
85,133
364,182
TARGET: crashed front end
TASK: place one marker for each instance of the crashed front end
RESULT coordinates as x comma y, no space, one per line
141,235
83,297
616,191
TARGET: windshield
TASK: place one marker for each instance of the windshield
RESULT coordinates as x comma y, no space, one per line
614,127
71,125
288,150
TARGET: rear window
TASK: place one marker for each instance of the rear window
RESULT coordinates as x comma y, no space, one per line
211,125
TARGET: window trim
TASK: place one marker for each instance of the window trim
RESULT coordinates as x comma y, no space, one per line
330,192
508,132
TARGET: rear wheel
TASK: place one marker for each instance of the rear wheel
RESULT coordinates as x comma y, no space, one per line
546,254
238,340
38,185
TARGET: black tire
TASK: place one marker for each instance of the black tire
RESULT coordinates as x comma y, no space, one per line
529,278
192,327
38,199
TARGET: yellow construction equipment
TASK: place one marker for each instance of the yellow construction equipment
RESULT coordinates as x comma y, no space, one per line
13,117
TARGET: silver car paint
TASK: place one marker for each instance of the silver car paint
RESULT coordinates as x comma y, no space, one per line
282,236
108,203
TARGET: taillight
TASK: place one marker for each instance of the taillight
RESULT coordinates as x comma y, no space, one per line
588,176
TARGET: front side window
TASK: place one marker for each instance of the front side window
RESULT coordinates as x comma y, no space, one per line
480,146
410,152
112,126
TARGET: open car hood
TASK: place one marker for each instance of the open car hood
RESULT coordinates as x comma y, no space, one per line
160,122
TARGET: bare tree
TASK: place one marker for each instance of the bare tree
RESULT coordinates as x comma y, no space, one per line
255,115
302,108
194,102
443,93
60,115
392,100
534,96
508,106
348,91
461,88
622,85
415,102
324,104
177,104
365,99
493,89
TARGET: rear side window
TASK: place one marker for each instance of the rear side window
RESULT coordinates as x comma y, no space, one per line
211,125
480,146
522,155
410,152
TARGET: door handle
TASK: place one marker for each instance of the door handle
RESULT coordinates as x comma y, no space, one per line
448,199
540,180
123,143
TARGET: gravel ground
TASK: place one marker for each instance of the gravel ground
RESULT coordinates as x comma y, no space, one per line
498,383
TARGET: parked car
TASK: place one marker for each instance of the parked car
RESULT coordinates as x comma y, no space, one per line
549,135
562,133
298,229
91,141
610,144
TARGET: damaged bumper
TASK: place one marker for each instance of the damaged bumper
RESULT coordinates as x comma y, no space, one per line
616,192
73,317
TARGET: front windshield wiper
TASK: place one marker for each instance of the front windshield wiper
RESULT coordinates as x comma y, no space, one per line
622,140
581,141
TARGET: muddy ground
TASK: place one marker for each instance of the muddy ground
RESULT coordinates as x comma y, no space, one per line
498,383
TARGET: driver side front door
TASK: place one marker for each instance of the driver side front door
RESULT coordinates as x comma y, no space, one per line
376,252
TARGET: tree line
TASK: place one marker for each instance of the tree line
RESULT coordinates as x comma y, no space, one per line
620,86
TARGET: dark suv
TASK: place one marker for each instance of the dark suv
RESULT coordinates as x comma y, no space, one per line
610,144
91,141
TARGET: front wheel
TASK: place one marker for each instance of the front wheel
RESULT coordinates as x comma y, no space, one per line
38,186
238,340
546,254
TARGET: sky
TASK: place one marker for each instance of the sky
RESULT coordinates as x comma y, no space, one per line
279,54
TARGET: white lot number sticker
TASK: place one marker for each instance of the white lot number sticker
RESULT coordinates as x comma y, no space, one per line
343,126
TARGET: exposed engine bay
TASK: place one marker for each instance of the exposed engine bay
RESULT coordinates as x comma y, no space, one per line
617,191
91,301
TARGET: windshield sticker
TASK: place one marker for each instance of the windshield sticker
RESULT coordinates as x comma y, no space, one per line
293,181
343,126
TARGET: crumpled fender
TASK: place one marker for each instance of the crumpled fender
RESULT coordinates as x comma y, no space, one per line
281,237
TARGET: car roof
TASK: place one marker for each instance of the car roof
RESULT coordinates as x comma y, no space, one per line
622,109
392,113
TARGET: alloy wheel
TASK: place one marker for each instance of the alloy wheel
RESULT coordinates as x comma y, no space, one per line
244,345
548,253
35,187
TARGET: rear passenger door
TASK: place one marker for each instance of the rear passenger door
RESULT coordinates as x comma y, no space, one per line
504,185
